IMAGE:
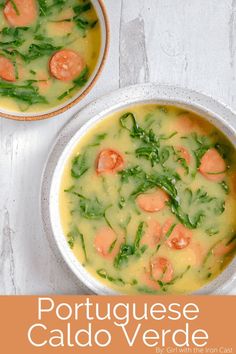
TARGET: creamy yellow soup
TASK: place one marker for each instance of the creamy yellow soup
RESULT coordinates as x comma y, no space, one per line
148,201
27,79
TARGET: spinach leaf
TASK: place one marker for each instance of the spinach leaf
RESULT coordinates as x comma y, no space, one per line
15,7
181,161
111,248
202,144
146,290
199,153
91,209
150,153
124,253
150,148
212,231
225,187
165,153
13,31
163,109
98,139
134,172
118,281
43,7
167,137
169,232
79,9
27,92
83,24
201,196
210,252
219,207
138,237
12,44
164,285
125,224
106,218
191,223
223,149
73,236
129,122
83,78
233,239
41,37
83,246
36,51
12,37
103,274
121,202
79,82
79,166
46,9
127,250
59,4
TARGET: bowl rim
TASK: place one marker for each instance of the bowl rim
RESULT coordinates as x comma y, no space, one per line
66,106
83,121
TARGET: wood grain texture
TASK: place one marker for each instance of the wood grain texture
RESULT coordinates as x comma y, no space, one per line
186,43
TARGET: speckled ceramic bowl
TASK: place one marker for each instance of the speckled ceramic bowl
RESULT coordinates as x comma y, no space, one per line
213,111
105,33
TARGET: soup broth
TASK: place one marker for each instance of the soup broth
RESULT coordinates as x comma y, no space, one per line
148,201
48,51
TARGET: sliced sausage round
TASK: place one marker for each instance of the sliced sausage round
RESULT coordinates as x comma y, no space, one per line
7,69
213,166
161,269
179,238
66,65
152,202
24,13
109,161
103,242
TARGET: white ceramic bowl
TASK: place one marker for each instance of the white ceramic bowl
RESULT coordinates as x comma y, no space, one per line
213,111
105,34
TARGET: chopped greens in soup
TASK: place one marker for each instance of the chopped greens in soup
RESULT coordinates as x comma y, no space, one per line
148,201
48,51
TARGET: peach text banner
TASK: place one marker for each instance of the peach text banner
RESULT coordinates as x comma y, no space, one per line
94,324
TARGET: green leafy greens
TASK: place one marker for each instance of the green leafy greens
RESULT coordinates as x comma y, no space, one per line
79,166
26,92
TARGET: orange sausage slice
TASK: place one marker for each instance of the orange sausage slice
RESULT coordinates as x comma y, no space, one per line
185,123
7,70
213,166
25,13
109,161
180,236
152,235
161,269
152,202
103,242
66,65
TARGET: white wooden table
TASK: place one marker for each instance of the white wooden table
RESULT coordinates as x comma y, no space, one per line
189,43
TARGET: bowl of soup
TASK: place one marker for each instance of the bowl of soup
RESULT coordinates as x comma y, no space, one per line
139,196
51,54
